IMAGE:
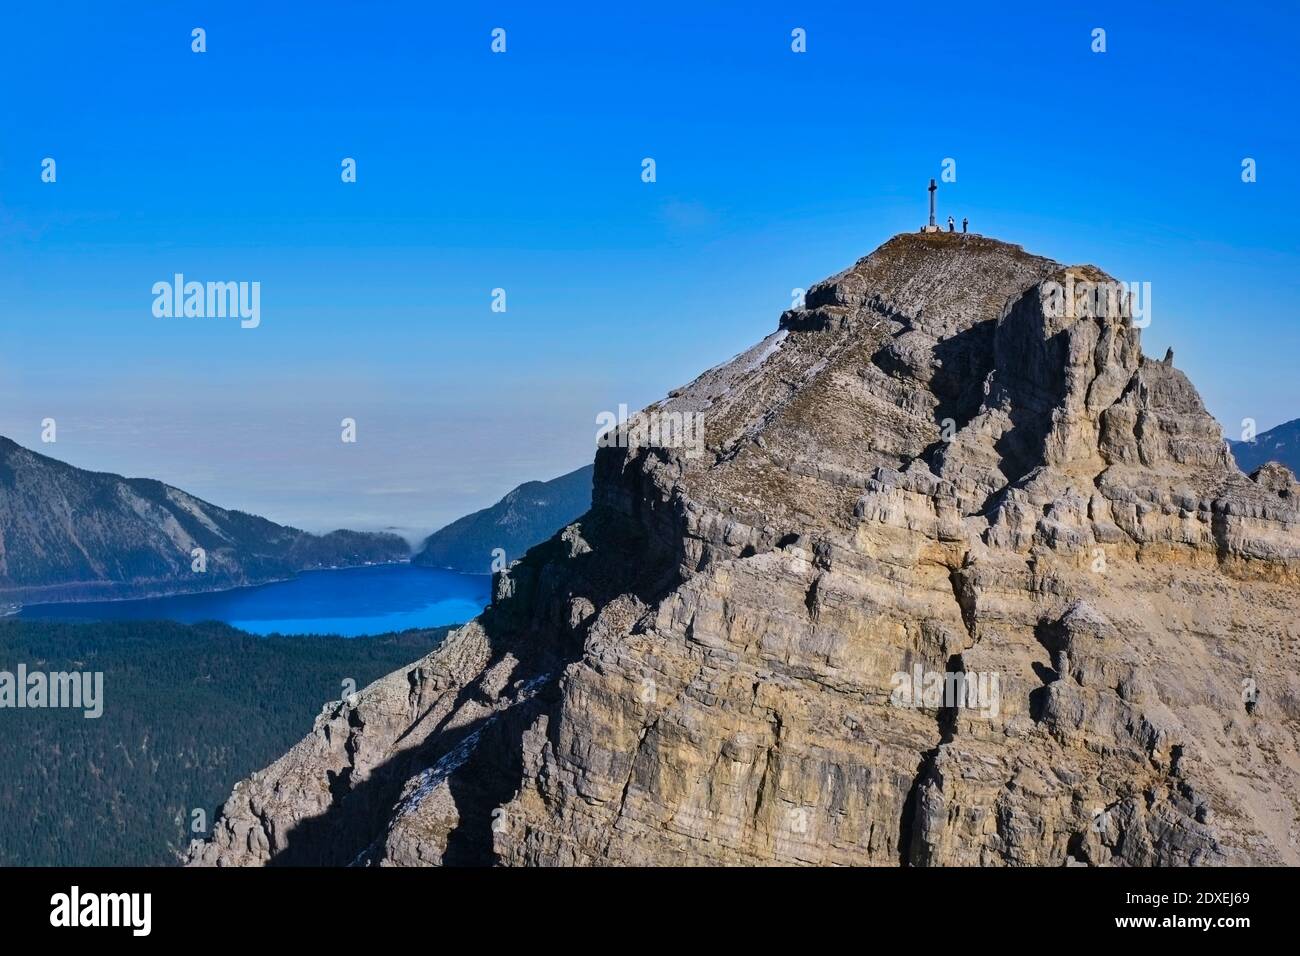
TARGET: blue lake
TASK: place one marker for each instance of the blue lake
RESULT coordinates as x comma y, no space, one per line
352,602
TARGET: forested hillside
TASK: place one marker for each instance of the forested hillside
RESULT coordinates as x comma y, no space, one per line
188,710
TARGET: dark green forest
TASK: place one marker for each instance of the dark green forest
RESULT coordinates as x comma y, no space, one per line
188,711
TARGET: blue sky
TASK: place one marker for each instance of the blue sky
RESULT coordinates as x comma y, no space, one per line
522,171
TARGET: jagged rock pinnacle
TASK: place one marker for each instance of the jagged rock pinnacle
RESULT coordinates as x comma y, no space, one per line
931,469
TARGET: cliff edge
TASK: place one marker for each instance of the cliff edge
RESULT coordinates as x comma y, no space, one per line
960,577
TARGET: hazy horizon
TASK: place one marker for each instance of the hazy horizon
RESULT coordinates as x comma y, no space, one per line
522,171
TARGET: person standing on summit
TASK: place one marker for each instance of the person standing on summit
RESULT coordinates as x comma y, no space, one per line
951,226
964,222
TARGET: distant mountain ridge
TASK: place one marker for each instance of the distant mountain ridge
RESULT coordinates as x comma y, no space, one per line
1280,444
67,534
526,516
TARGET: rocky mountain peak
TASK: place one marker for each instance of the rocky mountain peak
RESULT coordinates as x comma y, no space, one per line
956,576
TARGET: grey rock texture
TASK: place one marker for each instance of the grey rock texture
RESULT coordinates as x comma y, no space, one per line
927,471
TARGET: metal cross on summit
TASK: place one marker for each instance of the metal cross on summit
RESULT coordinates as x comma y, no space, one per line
932,227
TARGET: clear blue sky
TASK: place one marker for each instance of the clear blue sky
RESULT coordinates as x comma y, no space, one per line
522,171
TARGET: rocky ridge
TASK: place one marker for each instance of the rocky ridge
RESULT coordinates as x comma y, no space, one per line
928,469
67,534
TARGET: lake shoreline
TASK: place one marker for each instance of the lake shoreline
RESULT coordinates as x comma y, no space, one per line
356,601
170,593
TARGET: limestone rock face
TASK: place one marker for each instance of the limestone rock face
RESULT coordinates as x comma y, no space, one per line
960,578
